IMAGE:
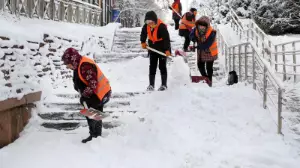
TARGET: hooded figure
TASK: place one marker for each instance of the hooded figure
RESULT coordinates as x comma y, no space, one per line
207,48
95,91
186,25
158,38
176,9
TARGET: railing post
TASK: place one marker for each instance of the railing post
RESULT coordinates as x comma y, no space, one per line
41,9
265,85
52,9
226,57
246,62
77,14
283,60
2,5
276,59
229,60
13,6
84,15
279,111
233,58
61,11
295,62
253,69
70,13
29,7
240,62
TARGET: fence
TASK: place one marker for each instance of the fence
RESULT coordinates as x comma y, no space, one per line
253,68
282,55
60,10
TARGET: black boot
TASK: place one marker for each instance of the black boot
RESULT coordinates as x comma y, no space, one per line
87,139
151,83
163,83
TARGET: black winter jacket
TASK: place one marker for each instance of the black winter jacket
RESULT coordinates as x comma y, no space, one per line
164,45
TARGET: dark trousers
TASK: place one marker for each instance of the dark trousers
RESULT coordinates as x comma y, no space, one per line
186,34
176,23
95,127
154,59
206,69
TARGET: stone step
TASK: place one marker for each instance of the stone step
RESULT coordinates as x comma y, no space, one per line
124,42
115,54
77,106
123,49
113,95
71,125
77,116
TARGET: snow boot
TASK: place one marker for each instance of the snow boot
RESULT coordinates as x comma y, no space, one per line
162,88
87,139
150,88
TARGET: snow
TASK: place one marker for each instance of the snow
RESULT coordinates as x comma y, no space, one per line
189,125
15,28
20,32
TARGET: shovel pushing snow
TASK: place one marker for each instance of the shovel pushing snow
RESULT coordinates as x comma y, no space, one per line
92,113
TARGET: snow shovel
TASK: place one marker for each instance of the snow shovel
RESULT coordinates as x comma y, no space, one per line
158,52
175,11
95,115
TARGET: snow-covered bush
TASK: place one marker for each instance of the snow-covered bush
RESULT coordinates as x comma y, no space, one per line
279,17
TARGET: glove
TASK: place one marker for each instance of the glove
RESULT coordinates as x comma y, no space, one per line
82,99
168,53
144,45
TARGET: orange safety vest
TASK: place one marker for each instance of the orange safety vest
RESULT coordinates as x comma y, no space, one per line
185,24
214,47
103,85
153,36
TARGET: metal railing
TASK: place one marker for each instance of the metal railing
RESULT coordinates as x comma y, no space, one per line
283,54
59,10
253,68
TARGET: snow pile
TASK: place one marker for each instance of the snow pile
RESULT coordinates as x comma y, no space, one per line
18,76
189,125
26,55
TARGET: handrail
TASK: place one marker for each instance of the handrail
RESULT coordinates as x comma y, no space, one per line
290,42
73,11
260,76
232,11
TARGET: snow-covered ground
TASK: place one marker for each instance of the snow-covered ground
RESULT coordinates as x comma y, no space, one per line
188,126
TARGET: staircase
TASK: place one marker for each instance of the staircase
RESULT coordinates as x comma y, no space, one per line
61,112
126,46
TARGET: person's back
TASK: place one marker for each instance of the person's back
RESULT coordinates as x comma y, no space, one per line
176,12
186,25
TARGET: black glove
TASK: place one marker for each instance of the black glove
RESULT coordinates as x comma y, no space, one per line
83,99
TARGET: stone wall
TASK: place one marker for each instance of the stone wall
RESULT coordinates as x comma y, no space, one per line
14,115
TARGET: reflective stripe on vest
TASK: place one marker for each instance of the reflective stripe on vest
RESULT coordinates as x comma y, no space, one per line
214,47
153,36
103,85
